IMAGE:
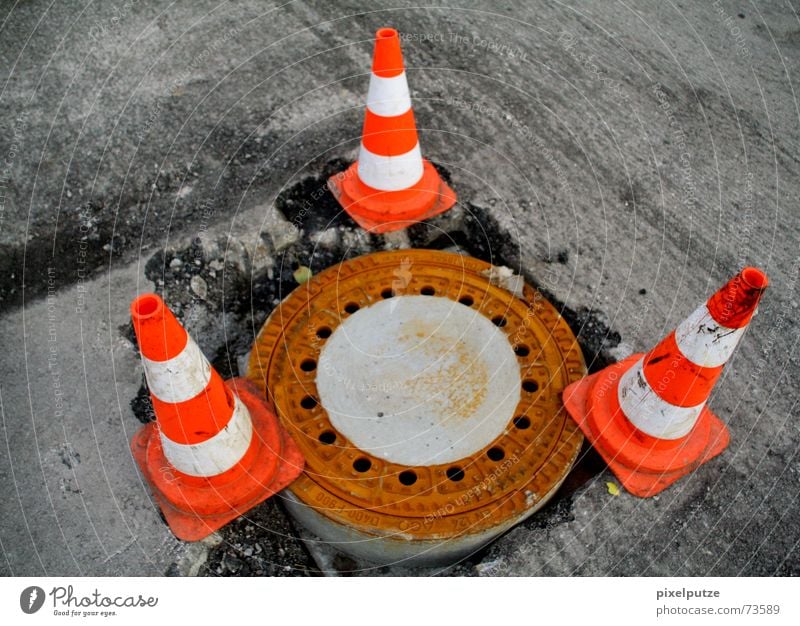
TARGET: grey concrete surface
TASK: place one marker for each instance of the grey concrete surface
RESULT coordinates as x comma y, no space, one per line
632,156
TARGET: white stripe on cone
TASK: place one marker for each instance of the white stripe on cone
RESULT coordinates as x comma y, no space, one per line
648,412
180,378
217,454
390,173
388,97
704,341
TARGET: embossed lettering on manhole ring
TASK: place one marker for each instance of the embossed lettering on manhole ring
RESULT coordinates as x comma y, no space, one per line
518,451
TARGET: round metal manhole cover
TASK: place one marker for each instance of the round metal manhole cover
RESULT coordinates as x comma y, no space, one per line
425,398
417,380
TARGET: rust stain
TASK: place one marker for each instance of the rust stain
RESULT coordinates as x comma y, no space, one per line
457,401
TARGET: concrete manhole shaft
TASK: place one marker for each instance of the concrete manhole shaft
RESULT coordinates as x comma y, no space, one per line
426,401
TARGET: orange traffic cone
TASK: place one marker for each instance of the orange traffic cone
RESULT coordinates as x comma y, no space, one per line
391,186
215,450
647,415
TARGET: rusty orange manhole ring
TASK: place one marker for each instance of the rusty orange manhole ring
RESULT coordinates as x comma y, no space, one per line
425,398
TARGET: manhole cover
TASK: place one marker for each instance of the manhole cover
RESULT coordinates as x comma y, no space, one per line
426,401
